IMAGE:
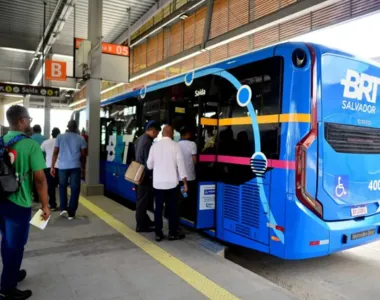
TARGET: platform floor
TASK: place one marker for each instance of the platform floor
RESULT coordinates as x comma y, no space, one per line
99,256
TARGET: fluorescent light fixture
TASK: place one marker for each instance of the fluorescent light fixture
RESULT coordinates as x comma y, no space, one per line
15,102
165,66
17,50
70,57
166,23
112,87
184,17
78,108
154,31
287,18
77,102
13,96
102,92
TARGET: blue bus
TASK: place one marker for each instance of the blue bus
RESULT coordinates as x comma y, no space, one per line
288,143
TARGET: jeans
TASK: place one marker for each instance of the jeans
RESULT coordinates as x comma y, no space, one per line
170,198
73,176
52,184
14,228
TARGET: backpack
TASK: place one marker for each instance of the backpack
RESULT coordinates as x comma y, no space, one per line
9,180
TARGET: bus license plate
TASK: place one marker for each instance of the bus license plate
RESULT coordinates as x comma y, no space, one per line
359,211
362,234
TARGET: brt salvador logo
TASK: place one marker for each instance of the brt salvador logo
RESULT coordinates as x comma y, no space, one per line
359,87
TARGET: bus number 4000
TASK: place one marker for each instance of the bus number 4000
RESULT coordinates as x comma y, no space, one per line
374,185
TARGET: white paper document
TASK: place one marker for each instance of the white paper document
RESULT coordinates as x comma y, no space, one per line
38,221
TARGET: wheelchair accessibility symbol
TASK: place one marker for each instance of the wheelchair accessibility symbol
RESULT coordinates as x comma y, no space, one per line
341,186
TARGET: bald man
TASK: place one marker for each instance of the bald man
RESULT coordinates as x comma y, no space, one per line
166,161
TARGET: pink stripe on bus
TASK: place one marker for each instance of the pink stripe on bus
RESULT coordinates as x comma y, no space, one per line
237,160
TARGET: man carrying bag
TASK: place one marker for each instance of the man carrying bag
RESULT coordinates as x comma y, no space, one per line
21,161
144,190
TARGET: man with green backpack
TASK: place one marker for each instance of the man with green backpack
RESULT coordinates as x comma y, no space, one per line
21,162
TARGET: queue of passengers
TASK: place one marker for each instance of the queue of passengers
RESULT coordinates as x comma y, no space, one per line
64,162
168,165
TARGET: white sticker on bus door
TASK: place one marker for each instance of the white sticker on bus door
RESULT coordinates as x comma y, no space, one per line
207,197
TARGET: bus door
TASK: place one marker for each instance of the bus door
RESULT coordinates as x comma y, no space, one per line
207,160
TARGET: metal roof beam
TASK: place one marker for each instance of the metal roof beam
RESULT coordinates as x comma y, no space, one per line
140,22
56,23
206,31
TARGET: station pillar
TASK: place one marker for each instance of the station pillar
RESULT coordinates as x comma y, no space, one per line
47,118
26,101
92,186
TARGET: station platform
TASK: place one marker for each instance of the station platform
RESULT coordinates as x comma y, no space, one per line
99,256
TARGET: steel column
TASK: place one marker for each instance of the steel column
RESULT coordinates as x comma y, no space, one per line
206,29
95,12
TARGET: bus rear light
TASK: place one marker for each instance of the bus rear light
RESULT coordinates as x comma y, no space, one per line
304,144
275,238
301,192
280,228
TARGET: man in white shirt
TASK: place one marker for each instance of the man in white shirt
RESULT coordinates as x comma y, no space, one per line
189,152
166,160
48,148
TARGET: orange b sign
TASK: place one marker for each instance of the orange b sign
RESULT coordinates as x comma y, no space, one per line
55,70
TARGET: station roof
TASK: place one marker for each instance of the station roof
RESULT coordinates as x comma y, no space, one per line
21,30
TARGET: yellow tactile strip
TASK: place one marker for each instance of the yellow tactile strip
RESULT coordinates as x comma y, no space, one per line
198,281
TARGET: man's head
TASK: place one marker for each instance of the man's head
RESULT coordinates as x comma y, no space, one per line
55,132
152,129
186,133
37,129
19,119
168,131
72,126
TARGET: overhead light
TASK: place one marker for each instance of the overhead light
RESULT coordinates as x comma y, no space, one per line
77,102
17,50
166,23
153,32
12,95
112,87
16,102
70,57
165,66
102,92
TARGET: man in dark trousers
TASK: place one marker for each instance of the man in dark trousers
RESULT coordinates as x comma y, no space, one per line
166,161
144,193
15,210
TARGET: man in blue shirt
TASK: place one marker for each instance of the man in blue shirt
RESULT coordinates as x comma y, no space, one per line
37,136
70,149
